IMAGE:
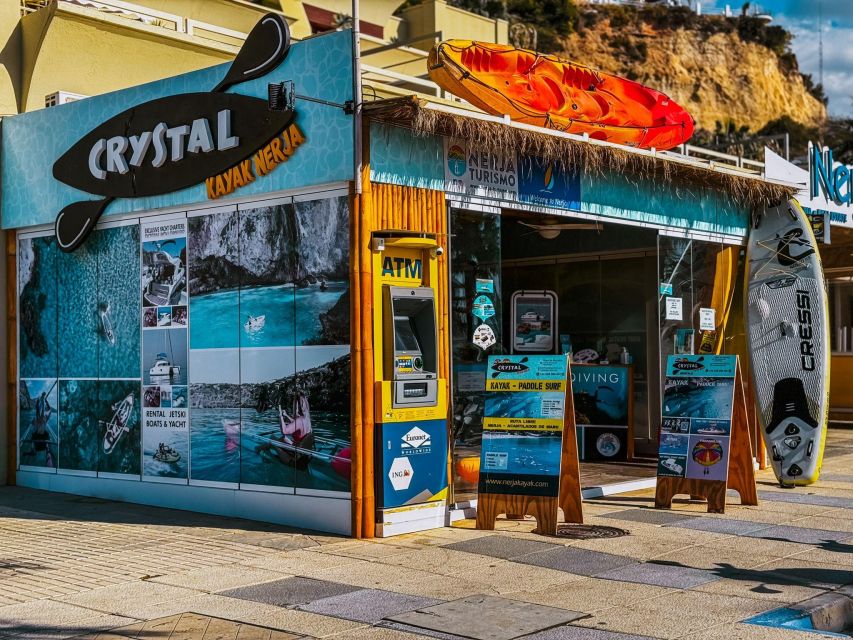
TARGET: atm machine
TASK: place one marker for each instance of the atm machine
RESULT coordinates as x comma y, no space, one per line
411,443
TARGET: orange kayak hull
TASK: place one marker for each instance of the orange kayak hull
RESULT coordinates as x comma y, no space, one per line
545,91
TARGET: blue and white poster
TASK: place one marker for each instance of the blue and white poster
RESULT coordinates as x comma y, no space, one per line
698,399
548,184
523,425
165,350
414,459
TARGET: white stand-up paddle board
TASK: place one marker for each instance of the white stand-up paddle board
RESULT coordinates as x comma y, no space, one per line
788,331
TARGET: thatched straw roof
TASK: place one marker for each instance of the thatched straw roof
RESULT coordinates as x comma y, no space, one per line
596,157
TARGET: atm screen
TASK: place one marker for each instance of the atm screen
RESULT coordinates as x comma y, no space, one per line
404,335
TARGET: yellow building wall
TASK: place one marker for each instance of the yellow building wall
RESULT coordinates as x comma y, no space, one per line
841,383
10,68
72,51
436,15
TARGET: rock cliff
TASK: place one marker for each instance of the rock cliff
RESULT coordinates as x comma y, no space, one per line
282,244
715,67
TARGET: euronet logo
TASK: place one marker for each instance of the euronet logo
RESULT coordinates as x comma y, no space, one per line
416,440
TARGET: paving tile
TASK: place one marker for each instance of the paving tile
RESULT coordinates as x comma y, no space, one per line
487,618
399,627
502,546
570,632
289,591
212,579
802,535
586,594
796,497
368,605
649,516
728,526
578,561
660,575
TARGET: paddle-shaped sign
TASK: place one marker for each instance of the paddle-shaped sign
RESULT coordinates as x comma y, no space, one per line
175,142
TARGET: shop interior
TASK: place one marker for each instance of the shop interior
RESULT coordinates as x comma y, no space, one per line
596,283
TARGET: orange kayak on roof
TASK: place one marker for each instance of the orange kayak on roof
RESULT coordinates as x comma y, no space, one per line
546,91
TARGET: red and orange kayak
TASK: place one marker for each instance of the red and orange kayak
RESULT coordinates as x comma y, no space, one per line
546,91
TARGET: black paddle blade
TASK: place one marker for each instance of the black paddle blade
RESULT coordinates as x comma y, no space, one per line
76,221
266,46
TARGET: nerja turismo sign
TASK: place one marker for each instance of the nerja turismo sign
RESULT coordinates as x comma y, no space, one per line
827,178
178,141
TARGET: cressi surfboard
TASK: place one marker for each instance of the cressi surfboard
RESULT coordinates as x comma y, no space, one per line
545,91
788,333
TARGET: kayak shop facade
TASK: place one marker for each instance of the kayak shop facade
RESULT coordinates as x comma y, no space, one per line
191,349
616,257
222,307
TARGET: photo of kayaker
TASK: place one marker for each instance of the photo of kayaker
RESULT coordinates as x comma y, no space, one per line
38,441
296,434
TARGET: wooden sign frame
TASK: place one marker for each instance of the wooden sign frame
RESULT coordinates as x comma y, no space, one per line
741,471
543,508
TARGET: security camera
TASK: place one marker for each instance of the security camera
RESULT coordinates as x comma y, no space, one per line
438,251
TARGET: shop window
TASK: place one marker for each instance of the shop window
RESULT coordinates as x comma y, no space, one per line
38,396
213,250
475,258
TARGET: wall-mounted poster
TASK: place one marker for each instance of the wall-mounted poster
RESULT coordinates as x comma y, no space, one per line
697,417
523,425
38,430
534,321
38,307
118,411
78,426
165,350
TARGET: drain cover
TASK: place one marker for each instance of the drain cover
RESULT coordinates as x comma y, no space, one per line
589,531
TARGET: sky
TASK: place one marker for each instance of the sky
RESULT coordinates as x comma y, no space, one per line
800,17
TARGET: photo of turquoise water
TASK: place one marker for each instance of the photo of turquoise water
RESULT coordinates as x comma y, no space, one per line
260,463
292,316
215,445
78,318
524,404
124,456
78,425
38,424
514,453
118,301
38,306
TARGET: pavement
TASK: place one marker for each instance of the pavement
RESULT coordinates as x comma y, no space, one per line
74,566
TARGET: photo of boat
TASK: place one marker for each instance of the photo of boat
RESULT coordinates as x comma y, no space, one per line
105,315
255,323
164,275
119,424
163,368
164,356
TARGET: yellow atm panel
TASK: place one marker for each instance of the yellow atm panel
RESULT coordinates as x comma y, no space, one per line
411,443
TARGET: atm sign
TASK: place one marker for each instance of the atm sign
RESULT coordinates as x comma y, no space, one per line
402,268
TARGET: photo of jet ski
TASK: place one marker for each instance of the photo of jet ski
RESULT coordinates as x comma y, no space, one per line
166,453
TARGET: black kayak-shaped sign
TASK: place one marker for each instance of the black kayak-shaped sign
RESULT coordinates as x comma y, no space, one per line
175,142
178,141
